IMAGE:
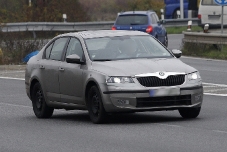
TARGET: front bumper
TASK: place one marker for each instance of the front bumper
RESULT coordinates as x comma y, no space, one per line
144,100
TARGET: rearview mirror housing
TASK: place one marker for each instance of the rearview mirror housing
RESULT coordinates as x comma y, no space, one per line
74,58
177,53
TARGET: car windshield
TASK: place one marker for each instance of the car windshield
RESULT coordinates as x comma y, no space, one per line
133,19
125,47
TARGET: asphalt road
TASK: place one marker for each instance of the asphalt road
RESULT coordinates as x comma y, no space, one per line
72,131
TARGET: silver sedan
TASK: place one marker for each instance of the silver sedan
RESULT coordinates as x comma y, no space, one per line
111,71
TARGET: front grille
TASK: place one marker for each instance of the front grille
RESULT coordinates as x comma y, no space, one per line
164,101
154,81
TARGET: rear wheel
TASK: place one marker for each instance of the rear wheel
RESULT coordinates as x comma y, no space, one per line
175,16
40,107
96,110
189,112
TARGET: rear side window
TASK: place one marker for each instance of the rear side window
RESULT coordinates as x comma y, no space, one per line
208,2
154,19
47,52
132,19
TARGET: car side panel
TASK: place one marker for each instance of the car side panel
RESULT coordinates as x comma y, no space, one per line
49,76
71,83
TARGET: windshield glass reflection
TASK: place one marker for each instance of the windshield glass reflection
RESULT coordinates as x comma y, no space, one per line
126,47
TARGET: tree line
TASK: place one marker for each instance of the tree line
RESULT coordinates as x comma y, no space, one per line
14,46
76,10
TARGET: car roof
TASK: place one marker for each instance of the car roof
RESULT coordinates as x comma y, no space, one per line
136,12
104,33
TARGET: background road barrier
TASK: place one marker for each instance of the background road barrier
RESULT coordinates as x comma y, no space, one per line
208,38
77,26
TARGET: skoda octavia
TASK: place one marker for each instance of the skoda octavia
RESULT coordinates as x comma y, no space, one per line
111,71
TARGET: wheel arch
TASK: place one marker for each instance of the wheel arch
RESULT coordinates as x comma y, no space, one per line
32,83
88,86
175,11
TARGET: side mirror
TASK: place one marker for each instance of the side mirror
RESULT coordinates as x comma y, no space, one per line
177,53
74,58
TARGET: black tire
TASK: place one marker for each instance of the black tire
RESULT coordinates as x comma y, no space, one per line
166,40
175,16
39,105
96,110
189,112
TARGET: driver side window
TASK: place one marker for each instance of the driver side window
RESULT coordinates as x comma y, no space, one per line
75,47
58,48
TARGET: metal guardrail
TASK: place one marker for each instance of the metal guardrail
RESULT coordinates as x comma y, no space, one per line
180,22
208,38
77,26
55,26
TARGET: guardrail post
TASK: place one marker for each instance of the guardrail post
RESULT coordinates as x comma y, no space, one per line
34,34
162,14
189,25
178,14
206,28
64,17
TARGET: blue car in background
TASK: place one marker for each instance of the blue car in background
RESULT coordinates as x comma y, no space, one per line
171,8
145,21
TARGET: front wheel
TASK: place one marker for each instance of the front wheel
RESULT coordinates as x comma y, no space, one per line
96,110
39,105
189,112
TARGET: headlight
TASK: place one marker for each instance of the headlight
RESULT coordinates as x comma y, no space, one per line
194,76
120,80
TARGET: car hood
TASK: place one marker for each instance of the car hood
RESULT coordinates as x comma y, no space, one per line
141,66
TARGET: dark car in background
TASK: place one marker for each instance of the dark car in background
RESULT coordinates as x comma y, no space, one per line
145,21
171,8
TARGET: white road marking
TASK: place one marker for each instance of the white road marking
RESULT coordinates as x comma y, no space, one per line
220,131
216,94
209,86
206,59
14,105
10,78
23,106
213,84
179,126
217,89
60,110
12,72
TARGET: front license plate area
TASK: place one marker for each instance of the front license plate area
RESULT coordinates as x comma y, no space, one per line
164,92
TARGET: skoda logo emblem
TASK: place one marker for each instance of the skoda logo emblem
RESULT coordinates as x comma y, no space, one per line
161,73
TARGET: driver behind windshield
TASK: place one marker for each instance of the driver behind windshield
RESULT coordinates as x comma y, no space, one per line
127,48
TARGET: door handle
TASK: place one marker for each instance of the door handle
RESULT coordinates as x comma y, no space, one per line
61,69
42,67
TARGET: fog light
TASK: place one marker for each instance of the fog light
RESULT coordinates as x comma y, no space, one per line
122,101
198,97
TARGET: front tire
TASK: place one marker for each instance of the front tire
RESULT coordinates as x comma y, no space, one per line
189,112
39,105
96,110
